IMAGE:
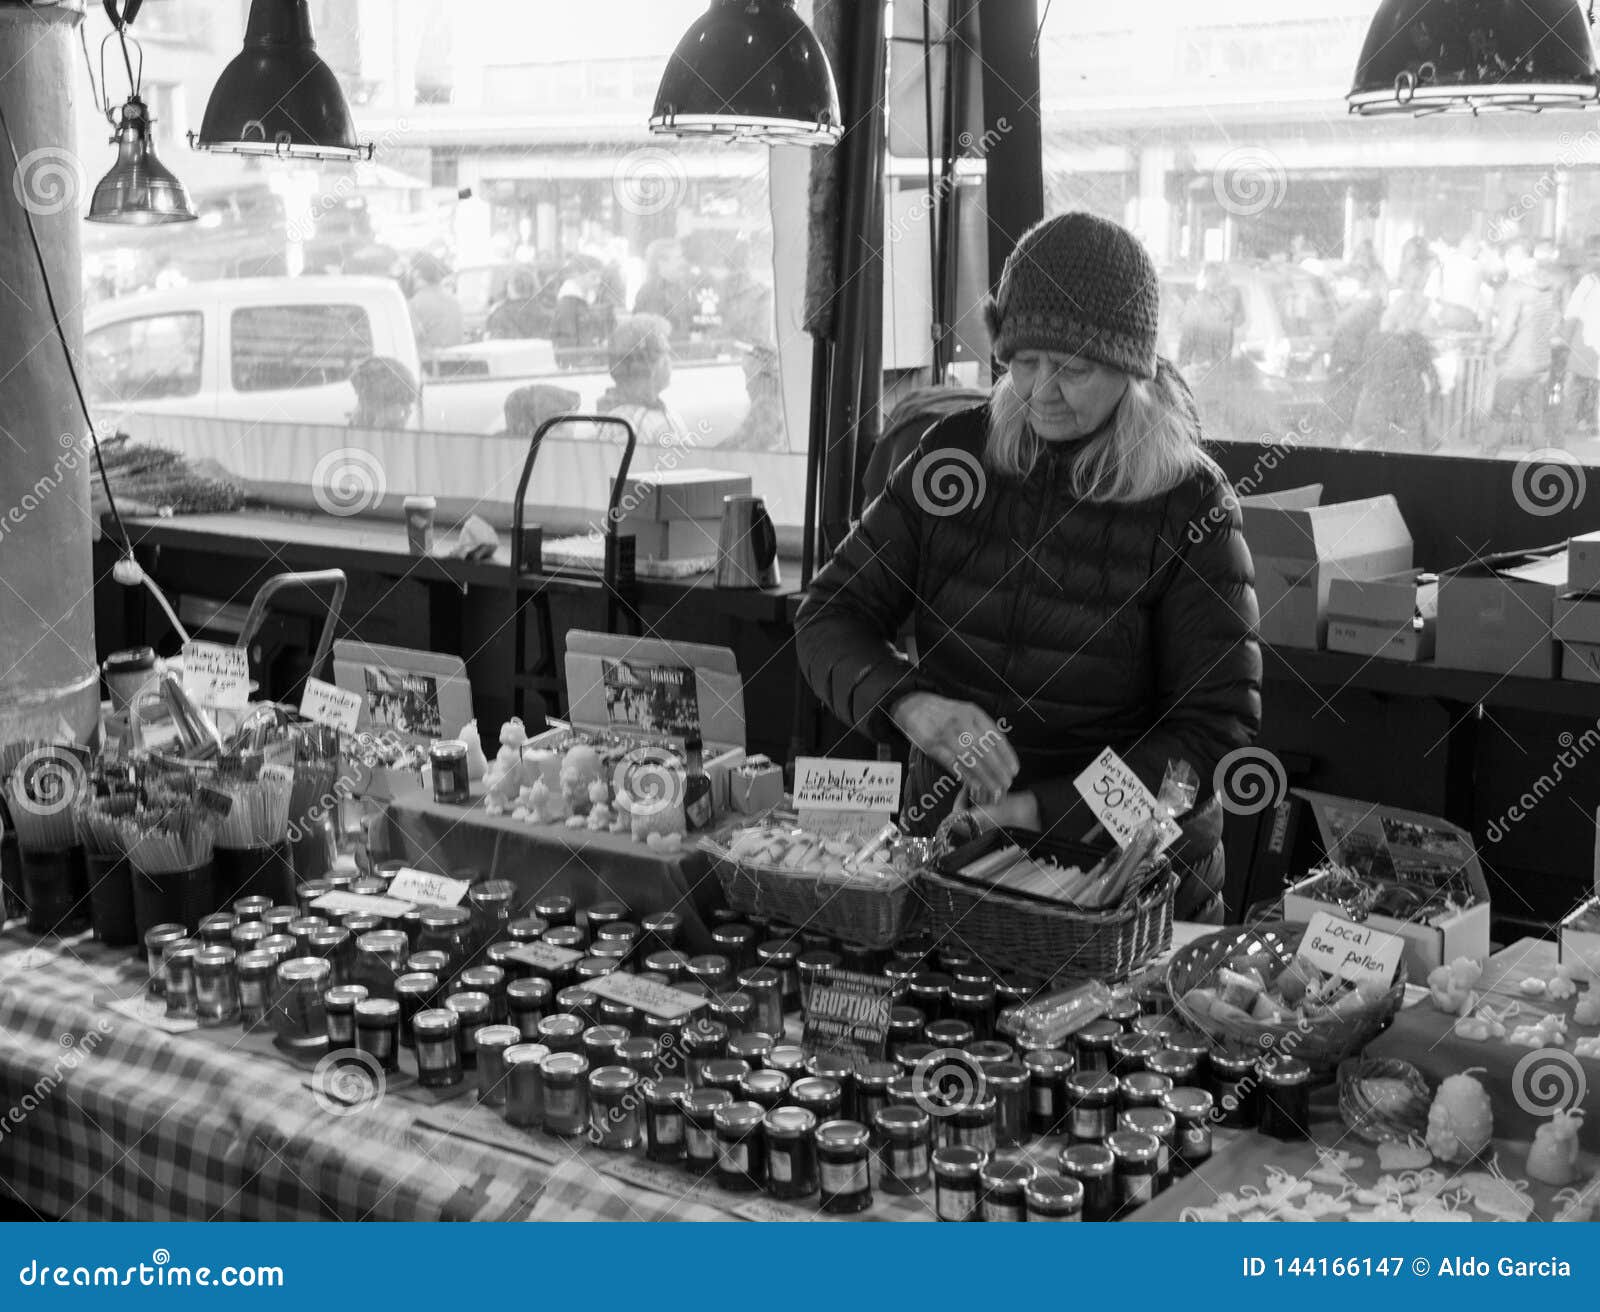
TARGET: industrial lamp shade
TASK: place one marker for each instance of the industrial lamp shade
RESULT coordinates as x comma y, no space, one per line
277,96
1434,56
139,189
749,69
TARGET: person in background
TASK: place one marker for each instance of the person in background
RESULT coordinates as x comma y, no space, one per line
1525,324
1367,270
1554,271
1581,332
529,407
1399,385
386,394
1460,286
435,314
1349,353
1208,323
576,312
640,360
745,300
762,428
668,289
1073,565
517,316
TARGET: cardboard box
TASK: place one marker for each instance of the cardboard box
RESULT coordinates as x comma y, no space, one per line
1392,616
1580,662
673,539
1575,621
666,494
1408,849
1300,546
611,679
1583,563
1497,615
416,695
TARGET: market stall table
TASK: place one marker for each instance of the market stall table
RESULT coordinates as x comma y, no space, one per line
550,858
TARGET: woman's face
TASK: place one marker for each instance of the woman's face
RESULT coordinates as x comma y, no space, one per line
1067,396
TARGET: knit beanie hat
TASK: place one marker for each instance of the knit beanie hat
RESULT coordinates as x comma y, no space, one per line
1078,284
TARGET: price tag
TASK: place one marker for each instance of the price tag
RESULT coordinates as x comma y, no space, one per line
341,903
1355,953
422,889
651,998
215,675
544,956
146,1010
1116,795
338,708
845,797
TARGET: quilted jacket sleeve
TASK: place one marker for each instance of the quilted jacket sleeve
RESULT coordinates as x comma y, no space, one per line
1207,661
856,605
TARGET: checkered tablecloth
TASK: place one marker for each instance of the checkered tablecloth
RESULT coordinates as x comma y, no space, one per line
106,1118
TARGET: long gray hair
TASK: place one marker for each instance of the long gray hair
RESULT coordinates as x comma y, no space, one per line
1151,445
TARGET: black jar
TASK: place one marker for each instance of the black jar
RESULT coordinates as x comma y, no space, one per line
1142,1089
438,1046
791,1143
1094,1105
844,1173
768,1089
1094,1167
1162,1126
1093,1045
905,1148
1001,1181
663,1118
906,1025
949,1033
873,1080
1235,1078
823,1098
1286,1099
1010,1085
527,1001
1137,1157
473,1009
700,1128
1053,1198
955,1179
1048,1103
377,1031
1191,1110
741,1154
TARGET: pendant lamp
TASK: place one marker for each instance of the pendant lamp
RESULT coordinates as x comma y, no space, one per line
749,70
140,189
1463,56
277,96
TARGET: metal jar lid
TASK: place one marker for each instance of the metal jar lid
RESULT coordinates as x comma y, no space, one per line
1145,1085
577,998
535,991
301,926
760,979
553,907
485,979
1098,1034
343,997
468,1003
385,942
949,1033
1007,1077
771,1083
610,909
843,1136
445,917
639,1047
704,1102
421,982
433,961
329,939
1133,1146
957,1164
711,963
662,922
790,1122
158,936
1287,1072
215,958
435,1023
360,924
911,1055
492,891
381,1011
613,1079
777,952
561,1026
903,1122
907,1018
1092,1085
616,931
830,1066
1188,1104
1187,1042
565,1066
218,922
604,1036
1176,1066
705,1035
724,1070
1149,1120
311,970
1159,1025
1052,1194
752,1047
991,1052
279,945
1006,1171
739,1117
667,962
669,1089
815,1089
1234,1063
1051,1063
1087,1161
1135,1047
252,964
527,929
525,1054
877,1075
497,1036
447,749
787,1057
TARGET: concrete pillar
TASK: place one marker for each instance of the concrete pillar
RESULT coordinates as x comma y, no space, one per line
47,654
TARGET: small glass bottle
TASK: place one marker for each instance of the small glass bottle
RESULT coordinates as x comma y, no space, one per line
1286,1099
556,910
614,1118
700,1128
1136,1156
1142,1089
216,930
905,1146
697,807
955,1177
436,1033
1094,1105
1052,1198
842,1071
491,982
765,988
1162,1126
1093,1045
1009,1084
524,1106
1001,1182
741,1155
340,1002
640,1054
377,1026
255,971
473,1009
493,1042
566,1093
791,1143
1048,1069
1093,1166
1235,1084
1130,1052
843,1172
663,1118
1191,1109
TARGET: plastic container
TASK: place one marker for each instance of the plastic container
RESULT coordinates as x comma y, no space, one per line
182,897
55,889
254,871
111,900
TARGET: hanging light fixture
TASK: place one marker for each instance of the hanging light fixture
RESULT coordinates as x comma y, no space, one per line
140,189
277,97
749,70
1463,56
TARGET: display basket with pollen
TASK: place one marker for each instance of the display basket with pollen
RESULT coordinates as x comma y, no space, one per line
1032,905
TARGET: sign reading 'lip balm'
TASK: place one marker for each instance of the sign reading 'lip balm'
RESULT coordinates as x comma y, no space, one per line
845,797
1355,953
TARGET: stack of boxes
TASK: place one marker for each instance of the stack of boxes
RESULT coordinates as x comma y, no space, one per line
676,514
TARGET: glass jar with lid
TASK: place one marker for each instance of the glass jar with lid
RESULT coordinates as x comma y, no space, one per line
790,1059
842,1071
1048,1069
377,1030
843,1167
527,930
1130,1052
527,1001
555,909
576,1000
737,942
436,1033
873,1079
974,1004
525,1085
955,1178
791,1143
700,1128
600,1043
1053,1198
641,1054
1093,1045
767,1089
489,980
909,1056
415,991
764,986
949,1033
334,944
1093,1166
905,1148
823,1098
929,990
741,1155
906,1025
447,930
1162,1126
1191,1110
299,1014
723,1073
566,1093
712,969
1009,1083
736,1010
661,930
473,1009
751,1048
492,906
1236,1086
562,1033
1137,1156
703,1041
1286,1099
971,1124
1142,1089
988,1053
216,985
492,1042
1179,1067
1001,1181
381,958
614,1099
663,1118
1093,1094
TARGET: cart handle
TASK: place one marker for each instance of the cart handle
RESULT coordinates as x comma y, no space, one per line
518,565
311,580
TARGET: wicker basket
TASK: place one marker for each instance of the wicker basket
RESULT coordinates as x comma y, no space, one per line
1018,932
1401,1119
875,912
1322,1040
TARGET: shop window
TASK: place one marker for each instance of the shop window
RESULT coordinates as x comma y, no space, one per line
281,348
156,358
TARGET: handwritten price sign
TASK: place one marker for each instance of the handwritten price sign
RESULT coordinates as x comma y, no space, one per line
845,797
338,708
1115,794
1352,952
215,675
422,889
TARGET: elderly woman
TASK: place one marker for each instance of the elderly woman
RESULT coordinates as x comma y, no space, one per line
640,359
1072,564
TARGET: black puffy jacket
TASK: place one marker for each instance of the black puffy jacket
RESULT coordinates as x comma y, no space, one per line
1079,625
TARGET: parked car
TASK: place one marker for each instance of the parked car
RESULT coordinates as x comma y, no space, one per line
1276,381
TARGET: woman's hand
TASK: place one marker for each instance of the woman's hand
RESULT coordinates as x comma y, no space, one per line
1018,810
962,738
